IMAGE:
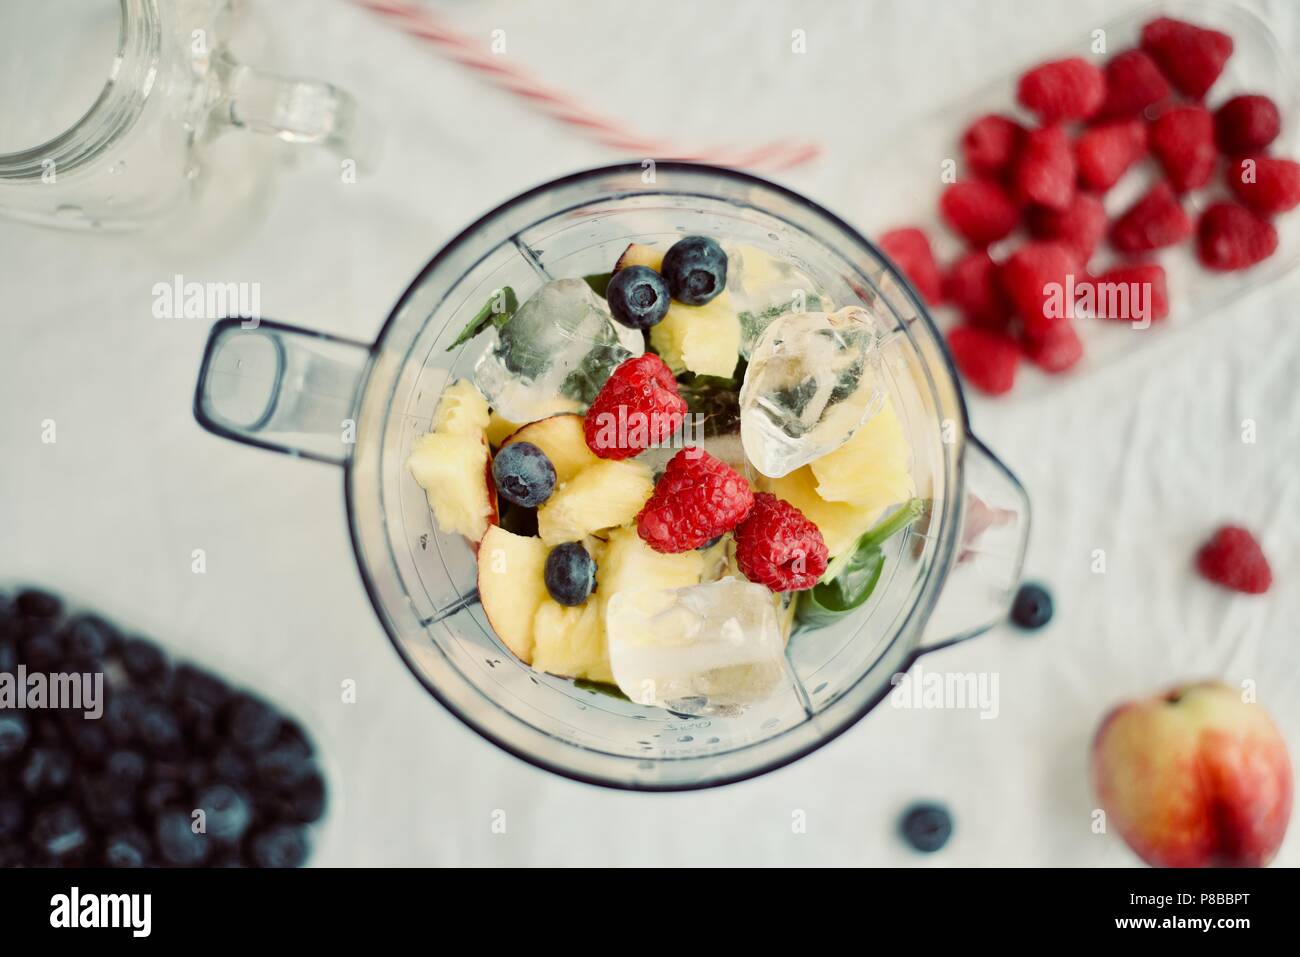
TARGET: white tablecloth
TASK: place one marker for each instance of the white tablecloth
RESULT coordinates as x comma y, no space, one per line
1141,460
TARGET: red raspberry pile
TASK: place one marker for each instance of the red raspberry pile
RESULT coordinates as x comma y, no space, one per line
778,547
639,406
1093,124
697,499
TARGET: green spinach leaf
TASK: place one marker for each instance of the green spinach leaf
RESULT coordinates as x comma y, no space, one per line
501,305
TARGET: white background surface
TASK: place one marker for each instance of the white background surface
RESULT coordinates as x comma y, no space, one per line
1141,460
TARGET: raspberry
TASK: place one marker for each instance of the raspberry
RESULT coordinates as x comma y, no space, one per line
1106,151
1269,186
1056,351
1133,82
1081,225
1182,140
1034,278
978,210
1231,237
1153,222
988,360
1116,293
636,408
972,286
1044,171
990,144
777,547
910,251
1070,89
1246,124
1190,56
1233,559
695,500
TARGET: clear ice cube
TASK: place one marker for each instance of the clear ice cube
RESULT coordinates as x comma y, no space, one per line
554,353
764,287
812,381
712,649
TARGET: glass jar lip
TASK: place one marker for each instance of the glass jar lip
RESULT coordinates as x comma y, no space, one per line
945,553
114,111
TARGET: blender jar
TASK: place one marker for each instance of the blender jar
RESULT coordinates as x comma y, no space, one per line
362,406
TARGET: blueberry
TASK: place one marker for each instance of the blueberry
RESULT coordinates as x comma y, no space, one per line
88,737
8,656
12,814
47,771
230,764
89,637
42,651
523,474
59,832
193,684
126,770
253,724
637,297
695,269
570,573
34,603
926,827
142,659
162,794
280,846
228,812
177,841
158,728
283,767
306,803
1032,607
126,849
14,732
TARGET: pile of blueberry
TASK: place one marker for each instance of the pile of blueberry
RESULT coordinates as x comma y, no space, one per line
123,790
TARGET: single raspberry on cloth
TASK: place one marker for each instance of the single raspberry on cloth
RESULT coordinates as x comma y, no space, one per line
695,500
1233,559
778,547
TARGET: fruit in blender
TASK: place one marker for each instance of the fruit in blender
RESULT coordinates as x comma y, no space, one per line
695,269
778,547
570,573
605,495
637,296
638,407
452,463
700,339
523,474
1195,777
560,437
511,586
697,498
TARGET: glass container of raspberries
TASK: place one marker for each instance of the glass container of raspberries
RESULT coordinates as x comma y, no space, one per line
1131,183
657,478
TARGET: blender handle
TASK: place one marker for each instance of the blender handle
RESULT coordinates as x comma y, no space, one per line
282,388
989,552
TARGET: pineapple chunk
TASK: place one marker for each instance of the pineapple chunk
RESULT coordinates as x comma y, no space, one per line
570,642
603,495
511,586
638,254
499,429
453,471
462,410
840,523
872,469
562,439
629,564
703,339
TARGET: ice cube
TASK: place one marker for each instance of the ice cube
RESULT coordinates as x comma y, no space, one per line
712,649
762,288
813,380
554,353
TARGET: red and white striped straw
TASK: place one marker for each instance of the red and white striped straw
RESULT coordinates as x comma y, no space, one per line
428,26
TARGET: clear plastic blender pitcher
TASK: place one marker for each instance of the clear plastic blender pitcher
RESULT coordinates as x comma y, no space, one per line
362,406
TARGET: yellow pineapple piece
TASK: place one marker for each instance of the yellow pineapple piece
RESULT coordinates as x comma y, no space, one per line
499,429
570,641
703,339
561,438
462,410
451,463
629,564
840,523
600,496
872,469
511,586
